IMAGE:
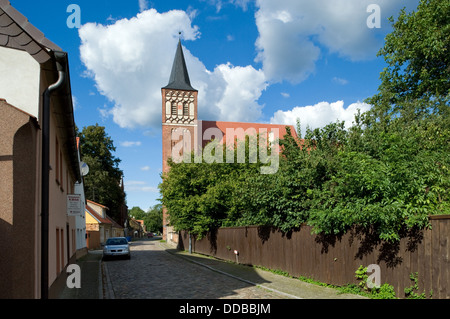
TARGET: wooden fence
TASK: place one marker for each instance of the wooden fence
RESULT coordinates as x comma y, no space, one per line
334,259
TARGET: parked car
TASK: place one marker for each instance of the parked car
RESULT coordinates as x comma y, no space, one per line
116,247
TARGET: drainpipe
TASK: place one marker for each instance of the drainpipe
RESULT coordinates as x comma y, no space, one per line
60,56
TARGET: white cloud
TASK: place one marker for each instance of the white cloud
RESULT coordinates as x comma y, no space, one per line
129,63
150,189
284,55
145,168
340,81
191,12
133,183
139,186
104,112
143,5
219,3
75,103
243,87
320,114
130,143
292,33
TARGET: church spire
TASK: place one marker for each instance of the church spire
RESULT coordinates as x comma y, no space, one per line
179,77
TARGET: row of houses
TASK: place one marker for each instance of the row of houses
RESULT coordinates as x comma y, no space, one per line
100,227
46,222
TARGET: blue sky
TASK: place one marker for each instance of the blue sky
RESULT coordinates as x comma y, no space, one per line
251,60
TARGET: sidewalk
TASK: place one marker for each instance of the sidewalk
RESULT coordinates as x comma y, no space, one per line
91,278
285,286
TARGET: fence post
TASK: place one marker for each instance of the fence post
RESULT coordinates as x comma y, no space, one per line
190,243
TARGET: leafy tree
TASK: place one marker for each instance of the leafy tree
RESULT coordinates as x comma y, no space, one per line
417,54
189,194
393,170
152,218
202,196
96,143
406,131
136,212
103,183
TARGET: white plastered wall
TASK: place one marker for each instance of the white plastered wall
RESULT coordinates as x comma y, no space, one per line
19,80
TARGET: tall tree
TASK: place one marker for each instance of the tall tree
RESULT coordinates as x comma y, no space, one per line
417,54
154,219
199,196
103,183
136,212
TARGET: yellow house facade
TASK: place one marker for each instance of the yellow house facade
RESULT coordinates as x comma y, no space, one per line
99,226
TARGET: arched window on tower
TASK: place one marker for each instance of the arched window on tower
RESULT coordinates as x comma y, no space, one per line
186,109
174,108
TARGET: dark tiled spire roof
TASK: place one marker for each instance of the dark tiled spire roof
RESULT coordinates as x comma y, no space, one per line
179,77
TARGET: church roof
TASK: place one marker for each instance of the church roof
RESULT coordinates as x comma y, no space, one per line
223,126
179,77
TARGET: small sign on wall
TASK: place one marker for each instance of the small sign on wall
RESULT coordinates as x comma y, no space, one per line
74,205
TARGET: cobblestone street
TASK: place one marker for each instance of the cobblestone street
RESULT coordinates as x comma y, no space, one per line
153,272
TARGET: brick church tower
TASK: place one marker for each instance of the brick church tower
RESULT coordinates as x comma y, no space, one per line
179,116
182,130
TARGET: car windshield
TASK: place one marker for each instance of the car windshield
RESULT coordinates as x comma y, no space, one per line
116,241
